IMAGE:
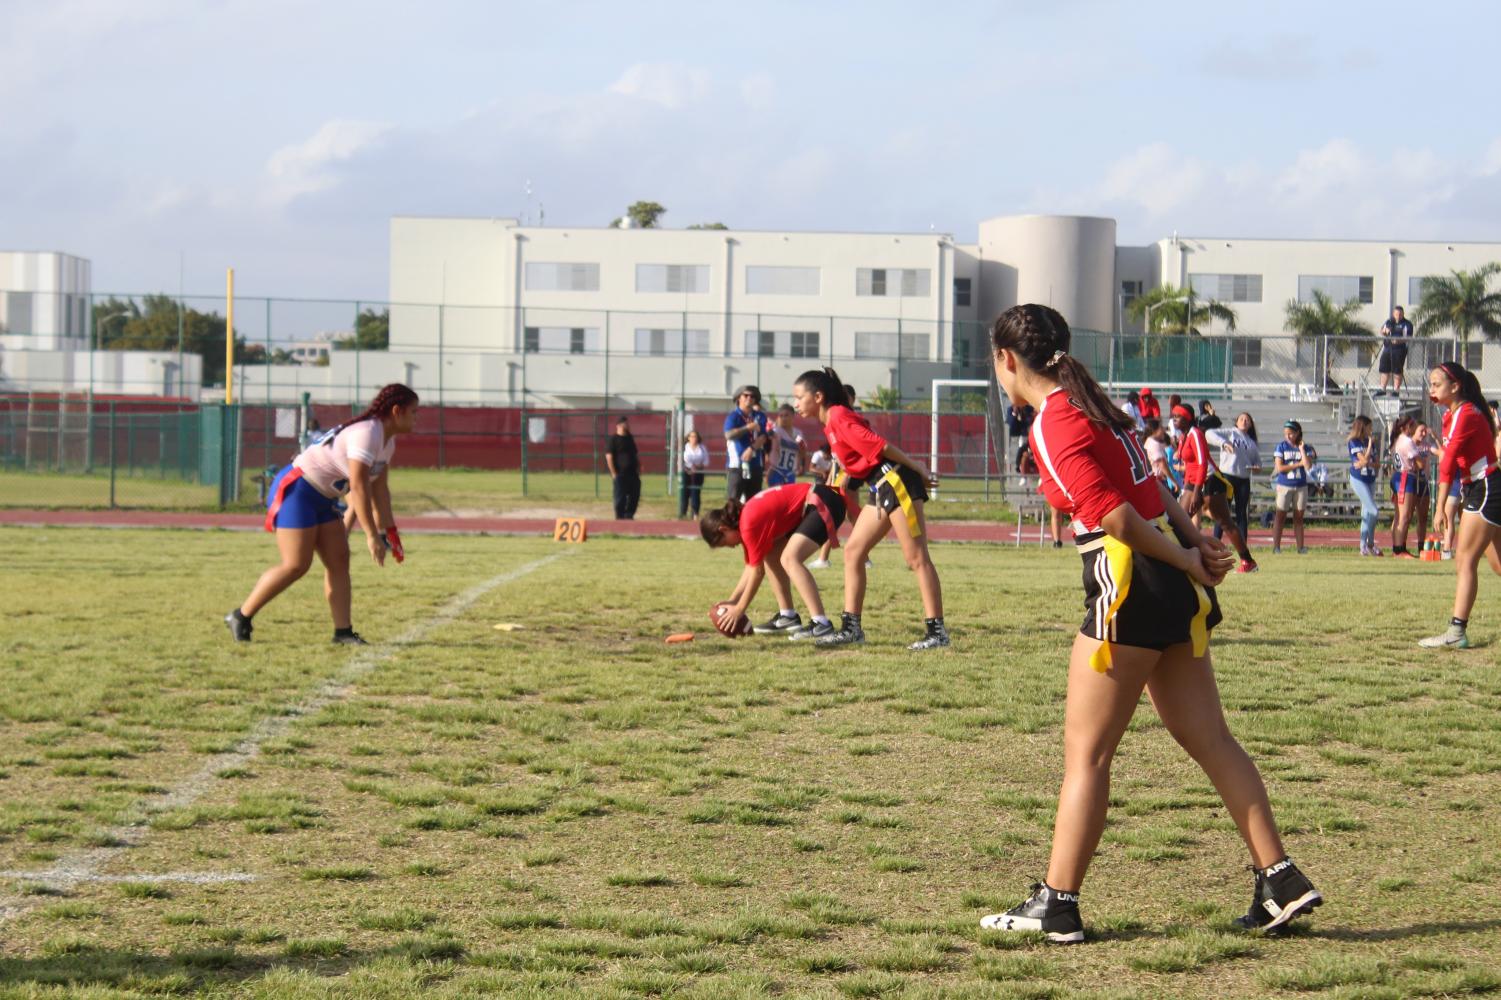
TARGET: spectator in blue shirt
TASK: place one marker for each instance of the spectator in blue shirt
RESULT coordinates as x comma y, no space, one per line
1365,462
746,437
1291,461
1396,334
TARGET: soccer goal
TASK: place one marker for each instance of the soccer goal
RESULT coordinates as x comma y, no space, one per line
967,439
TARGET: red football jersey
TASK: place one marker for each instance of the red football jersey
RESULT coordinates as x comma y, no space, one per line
1197,461
857,447
1090,468
1469,447
770,515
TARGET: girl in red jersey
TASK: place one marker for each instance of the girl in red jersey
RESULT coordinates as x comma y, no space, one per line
897,485
1148,581
1204,488
351,459
1469,457
778,528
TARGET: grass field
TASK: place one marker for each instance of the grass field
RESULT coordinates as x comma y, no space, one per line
576,810
464,492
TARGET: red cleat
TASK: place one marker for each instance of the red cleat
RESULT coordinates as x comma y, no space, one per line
1247,566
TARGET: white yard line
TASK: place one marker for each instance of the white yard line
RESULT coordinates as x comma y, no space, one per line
84,866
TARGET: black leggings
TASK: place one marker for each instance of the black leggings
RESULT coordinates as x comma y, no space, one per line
1240,505
688,495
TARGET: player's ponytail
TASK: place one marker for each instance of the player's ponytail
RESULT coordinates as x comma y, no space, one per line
1469,390
713,523
389,398
828,382
1040,337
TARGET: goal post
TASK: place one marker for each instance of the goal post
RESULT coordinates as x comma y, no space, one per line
968,441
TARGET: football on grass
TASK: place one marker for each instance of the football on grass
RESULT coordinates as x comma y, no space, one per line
734,630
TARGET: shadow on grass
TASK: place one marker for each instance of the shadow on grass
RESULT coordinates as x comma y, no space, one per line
1400,933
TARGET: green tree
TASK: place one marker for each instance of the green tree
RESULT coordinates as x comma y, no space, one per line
644,214
372,332
884,397
1178,311
153,324
708,225
1323,318
1462,303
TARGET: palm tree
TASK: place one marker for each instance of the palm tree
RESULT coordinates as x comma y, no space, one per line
1461,303
1172,310
884,397
1322,319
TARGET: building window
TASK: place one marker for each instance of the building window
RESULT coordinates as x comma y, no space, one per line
1130,292
961,292
545,277
17,318
689,279
907,282
802,344
1415,293
1226,287
1474,355
1340,288
891,345
762,280
1246,352
670,343
559,340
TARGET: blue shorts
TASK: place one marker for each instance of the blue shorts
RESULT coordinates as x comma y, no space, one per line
1456,487
776,477
1409,484
301,505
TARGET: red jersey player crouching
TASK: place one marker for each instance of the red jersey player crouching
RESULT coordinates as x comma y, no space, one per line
1149,608
1469,457
301,509
897,486
778,528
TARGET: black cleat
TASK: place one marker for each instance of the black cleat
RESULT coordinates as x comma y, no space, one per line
348,637
1047,911
239,625
937,638
850,633
1282,892
780,624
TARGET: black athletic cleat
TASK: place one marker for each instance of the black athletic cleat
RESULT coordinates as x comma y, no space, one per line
1282,892
812,630
348,637
1047,910
937,638
850,633
239,625
780,624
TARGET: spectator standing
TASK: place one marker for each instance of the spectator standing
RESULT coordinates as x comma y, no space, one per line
624,463
695,463
1396,333
1240,458
1154,442
745,436
1150,408
1205,489
1132,408
1019,419
789,453
1364,464
1409,484
1291,461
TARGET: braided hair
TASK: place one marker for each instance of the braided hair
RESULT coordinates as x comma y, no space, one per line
714,522
1469,389
1039,336
389,398
828,382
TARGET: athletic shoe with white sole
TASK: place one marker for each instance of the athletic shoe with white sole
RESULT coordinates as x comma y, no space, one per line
780,624
1047,911
1282,892
348,637
239,625
819,564
937,638
849,633
812,630
1454,637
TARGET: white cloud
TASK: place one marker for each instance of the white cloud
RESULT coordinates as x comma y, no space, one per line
758,91
671,85
1156,177
309,166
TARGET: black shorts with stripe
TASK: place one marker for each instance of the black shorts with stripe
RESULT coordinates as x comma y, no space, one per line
882,493
1159,605
1483,497
812,525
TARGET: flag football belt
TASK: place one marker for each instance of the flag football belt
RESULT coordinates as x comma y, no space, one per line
1118,557
893,478
274,507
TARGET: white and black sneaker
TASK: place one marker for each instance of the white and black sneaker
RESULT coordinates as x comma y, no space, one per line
780,624
1047,911
239,625
812,630
1453,637
348,637
1282,892
849,633
937,637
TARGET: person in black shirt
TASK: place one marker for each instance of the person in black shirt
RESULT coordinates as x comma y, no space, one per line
625,469
1395,333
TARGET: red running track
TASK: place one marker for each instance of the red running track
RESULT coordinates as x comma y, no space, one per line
938,531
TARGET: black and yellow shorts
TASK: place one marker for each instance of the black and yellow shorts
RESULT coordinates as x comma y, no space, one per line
895,488
1216,485
1135,600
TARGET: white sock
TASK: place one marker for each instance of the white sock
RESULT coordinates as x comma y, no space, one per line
821,620
788,612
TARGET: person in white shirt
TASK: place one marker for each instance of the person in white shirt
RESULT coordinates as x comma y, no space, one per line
1239,459
302,509
695,461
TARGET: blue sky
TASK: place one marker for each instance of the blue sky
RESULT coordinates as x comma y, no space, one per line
280,137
